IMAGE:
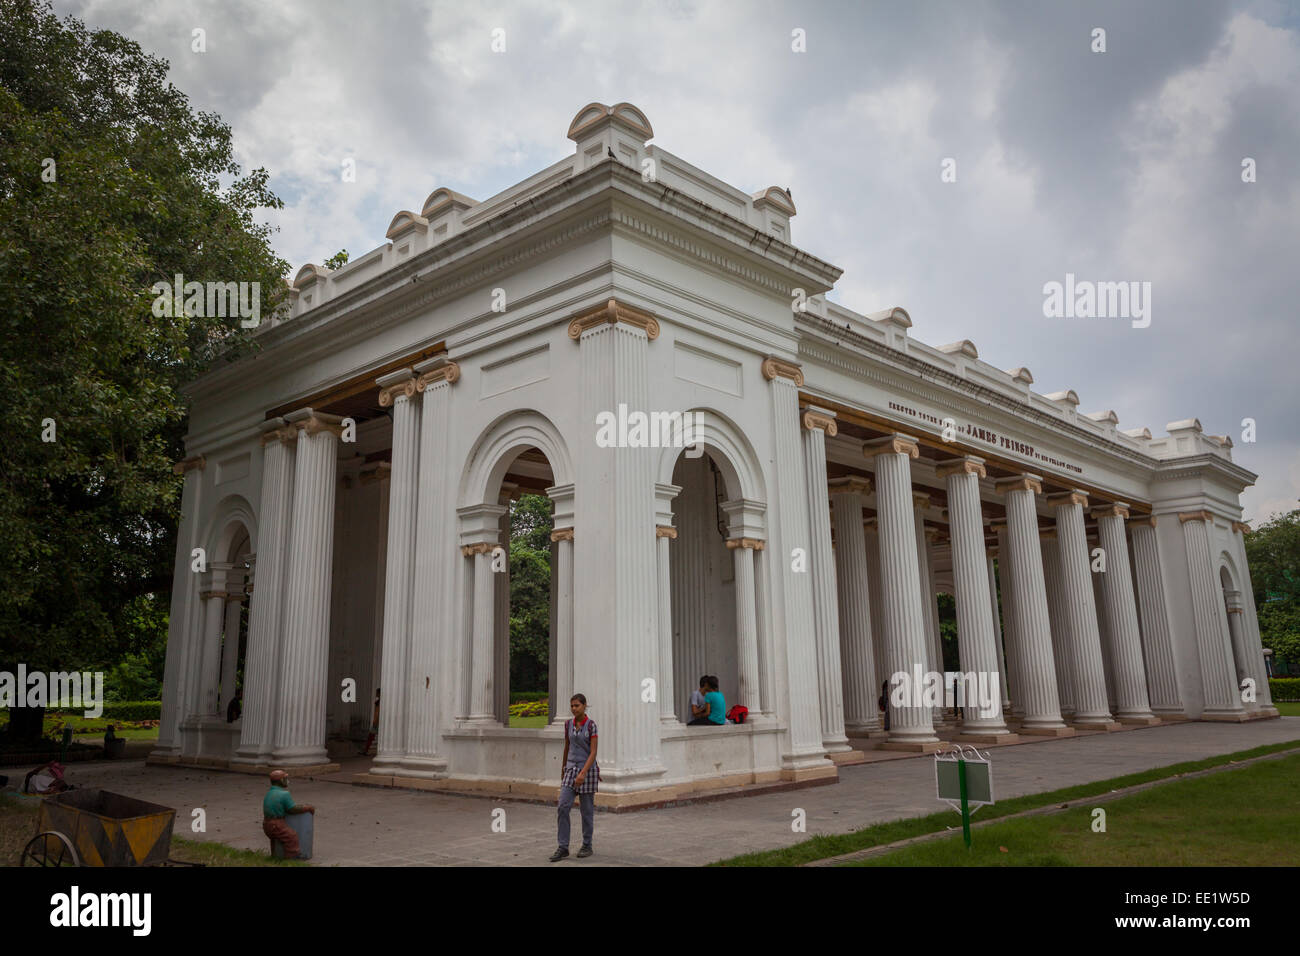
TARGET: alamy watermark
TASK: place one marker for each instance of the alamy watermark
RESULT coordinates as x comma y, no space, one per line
75,689
624,429
947,689
1084,299
209,299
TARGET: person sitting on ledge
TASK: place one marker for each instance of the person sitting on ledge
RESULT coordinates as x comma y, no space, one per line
715,708
697,699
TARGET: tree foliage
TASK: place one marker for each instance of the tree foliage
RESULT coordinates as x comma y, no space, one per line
1273,552
530,592
109,183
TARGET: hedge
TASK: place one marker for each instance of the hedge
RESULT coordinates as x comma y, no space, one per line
1284,688
519,696
120,710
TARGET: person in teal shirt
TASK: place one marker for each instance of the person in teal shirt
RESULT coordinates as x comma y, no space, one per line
715,708
275,806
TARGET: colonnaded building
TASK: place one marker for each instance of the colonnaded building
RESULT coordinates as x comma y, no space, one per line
350,484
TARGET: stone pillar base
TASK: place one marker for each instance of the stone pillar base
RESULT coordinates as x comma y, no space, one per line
811,773
1170,716
1046,731
1139,721
913,746
1109,726
847,758
1265,713
978,738
869,734
1225,716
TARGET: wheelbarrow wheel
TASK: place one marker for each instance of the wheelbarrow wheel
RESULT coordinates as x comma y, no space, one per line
50,848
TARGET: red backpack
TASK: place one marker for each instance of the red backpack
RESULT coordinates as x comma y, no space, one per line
737,714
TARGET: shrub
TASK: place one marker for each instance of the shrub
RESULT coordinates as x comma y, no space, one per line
1284,688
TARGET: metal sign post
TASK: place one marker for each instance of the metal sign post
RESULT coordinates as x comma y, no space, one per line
963,779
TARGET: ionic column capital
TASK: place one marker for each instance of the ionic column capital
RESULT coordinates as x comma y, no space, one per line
895,444
312,422
612,312
1112,509
1067,498
482,547
221,595
997,524
774,368
188,464
752,543
871,525
1203,515
1047,534
970,464
852,485
435,370
278,431
399,384
1142,521
1238,526
920,500
566,534
820,418
935,535
665,531
1024,482
375,471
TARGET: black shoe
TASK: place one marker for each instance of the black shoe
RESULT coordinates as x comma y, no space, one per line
585,851
560,853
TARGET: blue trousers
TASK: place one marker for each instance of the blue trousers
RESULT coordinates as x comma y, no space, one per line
587,807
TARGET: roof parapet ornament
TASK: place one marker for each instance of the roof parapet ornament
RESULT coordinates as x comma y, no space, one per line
442,199
1142,434
405,222
775,197
1021,375
594,116
1108,417
1186,425
308,274
965,347
896,316
1067,397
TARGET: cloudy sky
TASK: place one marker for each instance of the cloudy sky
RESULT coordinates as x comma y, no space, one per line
1115,166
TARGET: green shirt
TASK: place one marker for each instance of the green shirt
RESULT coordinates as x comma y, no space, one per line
277,802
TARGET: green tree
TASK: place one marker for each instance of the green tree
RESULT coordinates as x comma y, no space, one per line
109,183
1273,553
530,592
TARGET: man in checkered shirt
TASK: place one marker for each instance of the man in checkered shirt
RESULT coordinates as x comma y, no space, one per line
581,776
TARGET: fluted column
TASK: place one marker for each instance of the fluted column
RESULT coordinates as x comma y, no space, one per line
1014,641
1157,644
991,554
665,533
817,423
861,716
1254,646
1232,599
432,655
791,533
906,646
399,392
748,694
300,726
1042,708
214,619
975,637
1087,670
929,606
1060,622
480,536
181,635
562,542
766,661
1222,699
1122,622
501,635
871,535
230,645
616,633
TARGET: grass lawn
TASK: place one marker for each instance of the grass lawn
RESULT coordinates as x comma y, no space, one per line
18,826
1244,817
1288,708
820,847
535,722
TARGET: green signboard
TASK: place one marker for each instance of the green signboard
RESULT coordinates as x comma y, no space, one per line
963,778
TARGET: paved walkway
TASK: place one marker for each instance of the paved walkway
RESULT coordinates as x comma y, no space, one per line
366,826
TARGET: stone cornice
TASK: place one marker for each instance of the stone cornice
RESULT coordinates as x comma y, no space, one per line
779,368
612,312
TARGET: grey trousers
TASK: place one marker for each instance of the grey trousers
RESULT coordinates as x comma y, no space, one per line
587,807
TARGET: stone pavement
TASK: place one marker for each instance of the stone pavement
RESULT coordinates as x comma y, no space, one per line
365,826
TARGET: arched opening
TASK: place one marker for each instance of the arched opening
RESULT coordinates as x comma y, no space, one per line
224,591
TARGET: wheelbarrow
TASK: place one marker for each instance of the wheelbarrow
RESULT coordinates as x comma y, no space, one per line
95,827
